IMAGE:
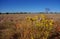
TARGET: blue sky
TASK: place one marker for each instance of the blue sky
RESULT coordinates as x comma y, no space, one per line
29,5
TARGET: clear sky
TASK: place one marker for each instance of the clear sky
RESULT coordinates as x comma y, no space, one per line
29,5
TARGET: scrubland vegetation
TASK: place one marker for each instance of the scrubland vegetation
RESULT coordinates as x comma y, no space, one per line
29,26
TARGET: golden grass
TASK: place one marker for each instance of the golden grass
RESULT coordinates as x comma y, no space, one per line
28,26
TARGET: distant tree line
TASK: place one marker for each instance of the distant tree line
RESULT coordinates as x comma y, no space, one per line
15,13
31,13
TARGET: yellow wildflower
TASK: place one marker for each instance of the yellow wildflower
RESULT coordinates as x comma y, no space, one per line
37,24
50,23
47,25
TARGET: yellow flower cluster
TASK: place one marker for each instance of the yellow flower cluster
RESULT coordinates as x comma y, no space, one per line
46,25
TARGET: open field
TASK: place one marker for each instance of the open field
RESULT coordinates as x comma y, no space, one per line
15,26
